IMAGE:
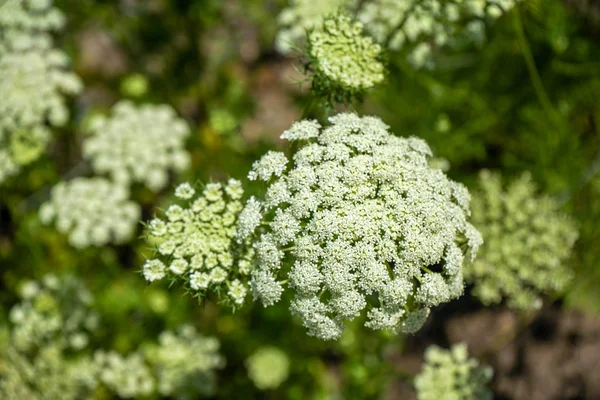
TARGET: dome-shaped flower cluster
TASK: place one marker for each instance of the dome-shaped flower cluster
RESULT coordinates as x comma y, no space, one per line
138,144
268,367
53,310
527,243
195,243
302,16
452,375
365,223
92,211
33,82
185,363
345,62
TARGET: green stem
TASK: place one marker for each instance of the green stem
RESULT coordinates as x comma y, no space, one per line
426,269
534,74
309,107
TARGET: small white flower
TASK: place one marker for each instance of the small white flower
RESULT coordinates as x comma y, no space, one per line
199,280
184,191
178,266
154,270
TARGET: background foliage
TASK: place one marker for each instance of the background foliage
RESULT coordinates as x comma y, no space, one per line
525,100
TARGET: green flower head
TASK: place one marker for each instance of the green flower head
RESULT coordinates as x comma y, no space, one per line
195,242
345,62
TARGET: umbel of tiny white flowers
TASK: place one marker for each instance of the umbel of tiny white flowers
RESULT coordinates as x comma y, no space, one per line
528,242
50,373
128,376
138,144
344,62
185,363
358,221
49,331
54,309
92,211
451,374
34,82
195,243
181,365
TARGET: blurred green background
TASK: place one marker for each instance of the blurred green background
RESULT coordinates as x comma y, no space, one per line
525,100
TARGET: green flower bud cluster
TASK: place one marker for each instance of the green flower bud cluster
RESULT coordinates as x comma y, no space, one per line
195,243
185,363
452,375
33,82
365,223
345,62
527,243
138,144
268,367
92,211
134,85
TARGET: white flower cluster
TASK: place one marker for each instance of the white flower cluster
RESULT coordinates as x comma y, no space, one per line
452,375
420,26
195,243
366,223
93,211
128,376
47,357
138,144
268,367
50,328
50,374
424,26
528,242
345,62
184,363
33,82
53,310
21,18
